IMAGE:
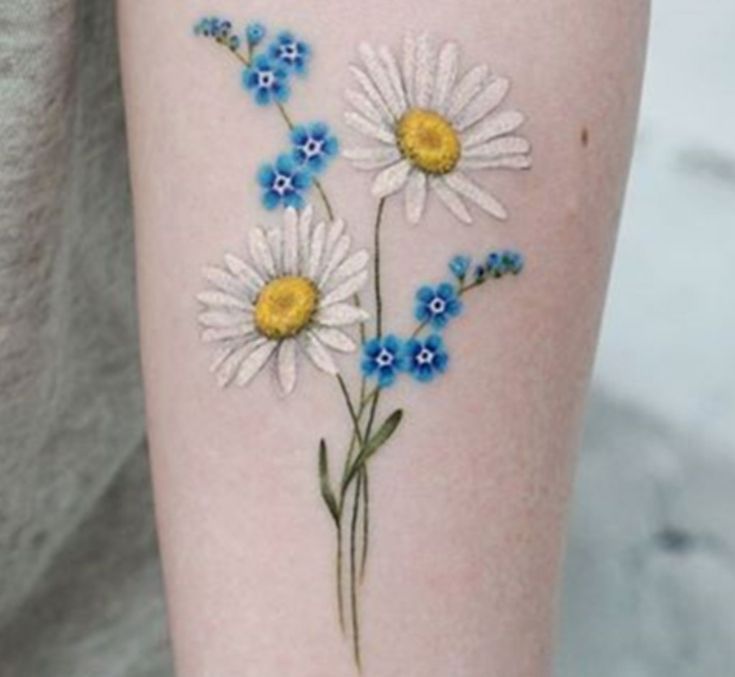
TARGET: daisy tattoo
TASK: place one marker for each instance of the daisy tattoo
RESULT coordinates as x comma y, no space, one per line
429,127
298,292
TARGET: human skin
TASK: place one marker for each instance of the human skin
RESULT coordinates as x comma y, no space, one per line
468,499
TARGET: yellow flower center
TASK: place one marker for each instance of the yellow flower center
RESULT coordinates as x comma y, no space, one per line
429,141
285,306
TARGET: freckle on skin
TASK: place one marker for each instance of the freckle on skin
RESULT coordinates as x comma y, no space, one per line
585,137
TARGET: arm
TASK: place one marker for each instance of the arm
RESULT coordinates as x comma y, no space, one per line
400,506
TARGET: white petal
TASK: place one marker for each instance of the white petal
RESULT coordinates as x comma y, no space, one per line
223,318
245,273
341,315
364,106
254,362
346,289
227,368
352,265
335,339
506,145
290,241
318,354
483,104
391,179
305,236
446,74
275,243
316,250
409,67
424,71
468,87
492,127
336,256
222,353
286,362
415,196
336,228
372,158
371,129
372,93
382,81
226,282
460,183
394,75
261,252
451,200
223,300
239,331
505,162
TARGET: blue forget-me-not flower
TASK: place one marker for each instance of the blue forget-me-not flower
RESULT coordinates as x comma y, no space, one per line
283,183
436,305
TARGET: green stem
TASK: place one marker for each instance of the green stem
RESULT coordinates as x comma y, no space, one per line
365,524
325,199
340,595
376,259
353,579
351,409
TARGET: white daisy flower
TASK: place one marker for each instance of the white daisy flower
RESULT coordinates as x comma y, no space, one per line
294,295
433,126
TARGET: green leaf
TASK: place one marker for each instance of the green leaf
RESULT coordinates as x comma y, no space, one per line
326,487
374,443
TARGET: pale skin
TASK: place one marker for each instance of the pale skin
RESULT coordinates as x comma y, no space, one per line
468,501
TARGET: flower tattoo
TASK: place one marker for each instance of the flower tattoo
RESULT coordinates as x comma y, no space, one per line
297,294
430,127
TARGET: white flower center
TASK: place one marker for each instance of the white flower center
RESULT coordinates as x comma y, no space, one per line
437,306
282,184
384,358
425,356
265,79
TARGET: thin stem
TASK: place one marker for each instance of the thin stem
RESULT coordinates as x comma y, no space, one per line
365,524
286,117
376,258
351,409
244,60
363,338
340,595
325,199
419,329
365,399
353,579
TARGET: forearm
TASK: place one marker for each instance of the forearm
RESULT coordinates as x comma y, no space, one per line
457,516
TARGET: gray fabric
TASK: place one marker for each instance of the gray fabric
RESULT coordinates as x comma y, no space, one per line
71,419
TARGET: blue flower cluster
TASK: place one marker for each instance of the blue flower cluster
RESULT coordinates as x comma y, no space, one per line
220,30
284,182
268,74
497,264
384,358
424,358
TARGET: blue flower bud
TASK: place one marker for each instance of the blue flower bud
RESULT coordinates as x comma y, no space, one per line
459,266
255,33
494,264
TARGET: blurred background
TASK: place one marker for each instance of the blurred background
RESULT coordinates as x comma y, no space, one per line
649,586
650,577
